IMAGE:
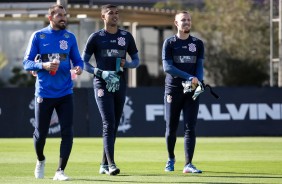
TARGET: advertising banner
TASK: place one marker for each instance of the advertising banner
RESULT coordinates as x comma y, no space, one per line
238,112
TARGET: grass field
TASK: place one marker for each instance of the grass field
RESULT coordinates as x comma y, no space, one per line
142,160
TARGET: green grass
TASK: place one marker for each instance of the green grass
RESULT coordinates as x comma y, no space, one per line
142,160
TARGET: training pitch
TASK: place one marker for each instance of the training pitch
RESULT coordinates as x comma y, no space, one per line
142,160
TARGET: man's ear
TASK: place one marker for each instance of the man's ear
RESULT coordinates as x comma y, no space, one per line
50,17
102,16
175,23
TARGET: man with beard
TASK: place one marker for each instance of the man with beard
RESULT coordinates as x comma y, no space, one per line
50,55
110,46
183,58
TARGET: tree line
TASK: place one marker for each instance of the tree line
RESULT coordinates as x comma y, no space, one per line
236,38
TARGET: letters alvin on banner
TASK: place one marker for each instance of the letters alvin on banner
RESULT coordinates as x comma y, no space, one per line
225,112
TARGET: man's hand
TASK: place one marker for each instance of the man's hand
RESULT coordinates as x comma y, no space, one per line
190,85
194,83
187,86
112,87
77,70
112,80
200,88
33,73
50,66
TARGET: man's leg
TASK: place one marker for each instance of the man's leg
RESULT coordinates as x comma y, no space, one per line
190,113
65,114
173,105
43,112
105,104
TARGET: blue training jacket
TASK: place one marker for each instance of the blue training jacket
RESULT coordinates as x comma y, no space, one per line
50,43
182,59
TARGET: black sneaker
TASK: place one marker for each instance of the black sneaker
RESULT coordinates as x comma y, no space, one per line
113,170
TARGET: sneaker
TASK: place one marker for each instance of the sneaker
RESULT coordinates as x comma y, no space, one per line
113,170
61,176
104,169
39,169
170,165
190,168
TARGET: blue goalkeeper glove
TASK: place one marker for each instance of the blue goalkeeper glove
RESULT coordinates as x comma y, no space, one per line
110,77
112,87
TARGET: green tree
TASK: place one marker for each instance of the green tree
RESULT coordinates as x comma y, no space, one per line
170,4
236,36
21,78
3,63
3,60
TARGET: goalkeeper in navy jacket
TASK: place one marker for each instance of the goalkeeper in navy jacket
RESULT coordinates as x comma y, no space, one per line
110,46
51,53
183,57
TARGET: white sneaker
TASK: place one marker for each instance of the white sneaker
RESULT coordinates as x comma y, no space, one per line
190,168
39,169
104,169
61,176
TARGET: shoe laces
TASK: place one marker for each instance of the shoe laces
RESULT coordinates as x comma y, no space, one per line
62,173
104,166
170,163
113,166
39,165
191,166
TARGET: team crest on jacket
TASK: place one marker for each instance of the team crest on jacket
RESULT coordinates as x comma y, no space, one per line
42,36
121,41
102,33
66,35
192,47
63,44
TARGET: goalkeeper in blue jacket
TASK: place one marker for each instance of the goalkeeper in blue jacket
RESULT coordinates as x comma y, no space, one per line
110,46
183,58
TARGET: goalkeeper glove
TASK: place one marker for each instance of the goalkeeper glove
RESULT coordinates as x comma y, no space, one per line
199,89
187,86
110,77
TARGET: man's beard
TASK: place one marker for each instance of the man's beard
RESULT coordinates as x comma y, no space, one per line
187,31
113,24
61,26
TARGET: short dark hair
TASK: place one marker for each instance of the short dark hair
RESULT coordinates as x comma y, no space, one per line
105,7
52,8
182,11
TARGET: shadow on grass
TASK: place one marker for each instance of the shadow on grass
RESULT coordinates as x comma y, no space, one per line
123,178
243,175
133,181
107,180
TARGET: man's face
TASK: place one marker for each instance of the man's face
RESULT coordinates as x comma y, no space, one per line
183,22
111,16
59,19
